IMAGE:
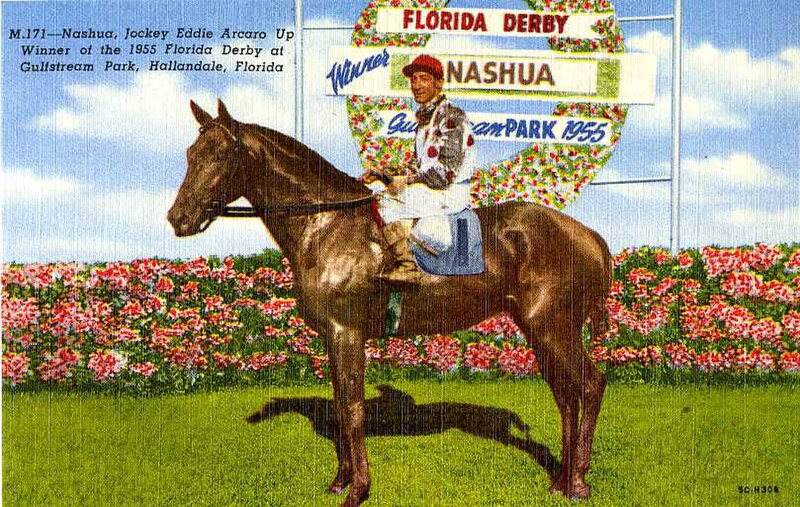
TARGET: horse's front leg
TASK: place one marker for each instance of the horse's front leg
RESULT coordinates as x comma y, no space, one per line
344,474
346,353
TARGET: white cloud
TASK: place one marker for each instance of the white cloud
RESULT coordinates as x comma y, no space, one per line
150,113
24,185
712,179
94,224
737,170
720,87
728,200
733,76
698,114
748,217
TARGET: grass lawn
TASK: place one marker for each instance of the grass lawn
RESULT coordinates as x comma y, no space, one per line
655,446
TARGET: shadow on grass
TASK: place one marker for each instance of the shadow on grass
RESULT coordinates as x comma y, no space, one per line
394,413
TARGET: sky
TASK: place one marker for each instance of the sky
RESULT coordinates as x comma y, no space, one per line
92,162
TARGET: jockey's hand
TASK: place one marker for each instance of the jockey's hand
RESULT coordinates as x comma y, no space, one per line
369,176
398,184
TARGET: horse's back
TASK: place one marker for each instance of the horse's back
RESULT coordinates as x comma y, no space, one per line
532,233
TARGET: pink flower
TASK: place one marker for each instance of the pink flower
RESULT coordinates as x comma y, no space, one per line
742,284
623,355
144,369
165,285
223,361
640,276
480,356
762,360
126,334
105,364
766,330
793,264
402,352
213,303
189,357
132,310
260,361
300,344
711,361
678,355
662,256
762,256
685,260
20,313
617,288
372,351
278,307
59,367
664,286
500,326
517,360
442,353
16,367
790,362
791,322
320,366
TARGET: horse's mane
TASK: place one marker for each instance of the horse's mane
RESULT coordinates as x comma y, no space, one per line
302,165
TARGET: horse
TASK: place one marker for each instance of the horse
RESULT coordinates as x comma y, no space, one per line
549,272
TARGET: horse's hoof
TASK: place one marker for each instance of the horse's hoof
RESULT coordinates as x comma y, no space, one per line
355,499
336,488
579,490
558,488
338,485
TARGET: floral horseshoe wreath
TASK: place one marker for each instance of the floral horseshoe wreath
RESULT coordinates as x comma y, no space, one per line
545,173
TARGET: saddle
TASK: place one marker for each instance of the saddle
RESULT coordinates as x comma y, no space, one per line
449,244
436,252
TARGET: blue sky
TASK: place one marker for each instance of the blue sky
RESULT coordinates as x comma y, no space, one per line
92,162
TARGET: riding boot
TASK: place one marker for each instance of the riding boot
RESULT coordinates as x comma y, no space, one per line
404,268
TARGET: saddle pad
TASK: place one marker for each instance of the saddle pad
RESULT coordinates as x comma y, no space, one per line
464,257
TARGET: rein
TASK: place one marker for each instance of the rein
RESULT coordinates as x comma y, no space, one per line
289,209
217,209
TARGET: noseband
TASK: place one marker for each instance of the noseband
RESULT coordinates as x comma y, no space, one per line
217,209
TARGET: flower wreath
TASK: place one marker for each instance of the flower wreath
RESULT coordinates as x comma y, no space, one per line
546,173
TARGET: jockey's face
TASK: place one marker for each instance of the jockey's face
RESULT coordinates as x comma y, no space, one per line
425,87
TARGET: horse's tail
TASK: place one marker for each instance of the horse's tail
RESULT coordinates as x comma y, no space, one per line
597,311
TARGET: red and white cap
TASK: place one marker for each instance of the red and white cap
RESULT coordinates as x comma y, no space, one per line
424,63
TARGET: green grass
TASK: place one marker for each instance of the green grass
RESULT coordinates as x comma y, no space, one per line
655,446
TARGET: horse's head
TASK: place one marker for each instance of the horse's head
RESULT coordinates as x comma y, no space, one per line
212,164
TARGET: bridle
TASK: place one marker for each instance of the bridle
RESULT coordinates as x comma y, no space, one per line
217,209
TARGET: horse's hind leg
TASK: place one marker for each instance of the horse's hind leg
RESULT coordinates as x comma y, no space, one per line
554,333
347,360
594,387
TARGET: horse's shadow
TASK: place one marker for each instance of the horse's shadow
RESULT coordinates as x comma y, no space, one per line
394,413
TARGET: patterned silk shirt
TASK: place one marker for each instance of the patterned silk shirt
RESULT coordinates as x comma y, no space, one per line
445,145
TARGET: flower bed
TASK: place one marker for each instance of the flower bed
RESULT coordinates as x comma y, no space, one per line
159,326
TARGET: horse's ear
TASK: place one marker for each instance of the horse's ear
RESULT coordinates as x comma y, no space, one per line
222,113
199,113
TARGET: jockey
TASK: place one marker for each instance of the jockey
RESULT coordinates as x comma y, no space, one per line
439,180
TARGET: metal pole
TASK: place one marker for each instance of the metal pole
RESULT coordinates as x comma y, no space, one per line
298,70
675,171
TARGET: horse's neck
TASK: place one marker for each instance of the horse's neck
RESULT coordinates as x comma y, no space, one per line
286,172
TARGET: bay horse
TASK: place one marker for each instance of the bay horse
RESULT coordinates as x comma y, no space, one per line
548,271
